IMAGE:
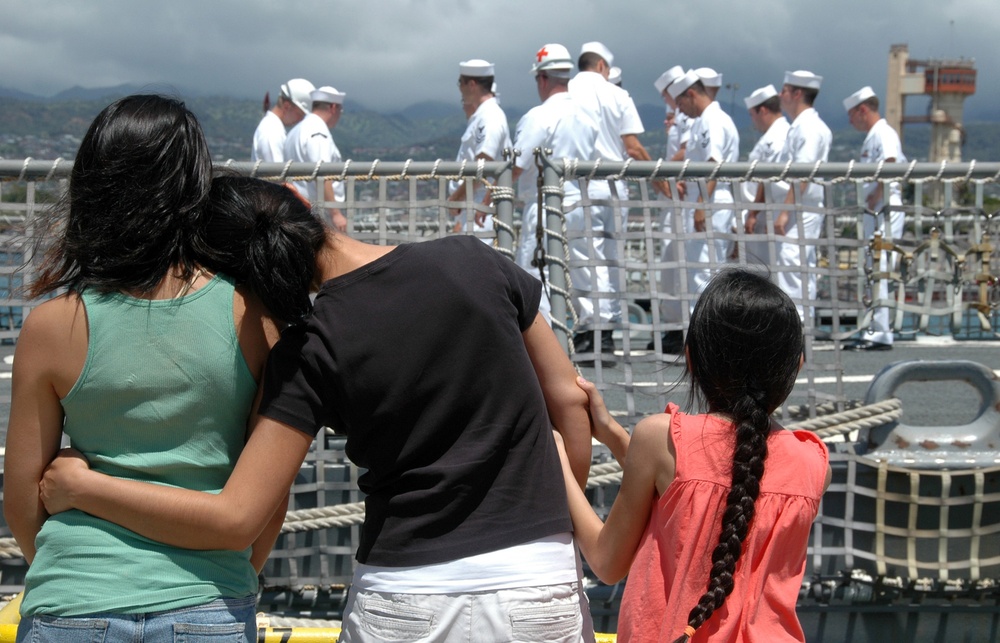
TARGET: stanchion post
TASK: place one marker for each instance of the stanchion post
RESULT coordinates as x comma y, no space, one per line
505,207
555,246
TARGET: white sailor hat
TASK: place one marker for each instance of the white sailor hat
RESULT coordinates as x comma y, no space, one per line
599,49
668,77
858,97
476,68
760,95
709,77
553,58
297,90
802,78
615,75
327,94
683,83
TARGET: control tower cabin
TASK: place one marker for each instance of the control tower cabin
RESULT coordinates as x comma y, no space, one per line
947,82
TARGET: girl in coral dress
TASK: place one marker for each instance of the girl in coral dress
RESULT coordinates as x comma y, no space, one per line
713,515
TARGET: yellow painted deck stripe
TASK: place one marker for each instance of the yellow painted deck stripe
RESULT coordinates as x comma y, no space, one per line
8,632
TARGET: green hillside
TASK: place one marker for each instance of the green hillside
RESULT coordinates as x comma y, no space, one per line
53,128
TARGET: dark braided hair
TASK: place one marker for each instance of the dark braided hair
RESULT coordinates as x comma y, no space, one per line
744,344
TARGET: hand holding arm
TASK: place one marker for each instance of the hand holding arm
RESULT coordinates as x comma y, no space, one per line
605,428
566,403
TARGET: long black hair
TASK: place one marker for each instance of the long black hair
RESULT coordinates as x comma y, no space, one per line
135,199
744,347
266,237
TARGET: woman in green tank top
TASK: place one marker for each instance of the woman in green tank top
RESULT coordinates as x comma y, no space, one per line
149,363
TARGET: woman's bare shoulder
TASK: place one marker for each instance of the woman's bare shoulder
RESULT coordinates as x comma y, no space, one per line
54,317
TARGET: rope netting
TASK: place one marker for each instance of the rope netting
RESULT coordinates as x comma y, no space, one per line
940,276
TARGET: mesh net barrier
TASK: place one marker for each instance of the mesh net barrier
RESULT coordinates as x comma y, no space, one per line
639,252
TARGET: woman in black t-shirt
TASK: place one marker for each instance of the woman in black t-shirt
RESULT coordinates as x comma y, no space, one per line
434,362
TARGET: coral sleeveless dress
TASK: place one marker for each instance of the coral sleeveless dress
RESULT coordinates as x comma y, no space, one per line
671,567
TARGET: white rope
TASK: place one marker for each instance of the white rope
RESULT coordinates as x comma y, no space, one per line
52,170
315,172
846,421
850,168
656,170
680,175
284,172
24,169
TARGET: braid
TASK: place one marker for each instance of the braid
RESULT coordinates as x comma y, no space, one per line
752,425
744,345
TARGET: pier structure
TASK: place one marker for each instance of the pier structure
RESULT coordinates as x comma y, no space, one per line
948,82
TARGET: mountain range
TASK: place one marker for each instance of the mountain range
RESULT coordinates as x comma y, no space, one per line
52,127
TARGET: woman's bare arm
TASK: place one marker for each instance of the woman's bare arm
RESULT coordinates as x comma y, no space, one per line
566,402
50,354
232,519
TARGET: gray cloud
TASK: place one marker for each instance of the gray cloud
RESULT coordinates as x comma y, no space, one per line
388,54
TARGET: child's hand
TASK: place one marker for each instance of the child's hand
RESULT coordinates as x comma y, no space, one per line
603,427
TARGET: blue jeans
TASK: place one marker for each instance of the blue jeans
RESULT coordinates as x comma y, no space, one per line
224,620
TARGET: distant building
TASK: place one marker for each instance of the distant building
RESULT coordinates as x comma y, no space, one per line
947,82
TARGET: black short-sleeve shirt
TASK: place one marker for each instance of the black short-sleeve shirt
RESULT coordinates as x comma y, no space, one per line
418,357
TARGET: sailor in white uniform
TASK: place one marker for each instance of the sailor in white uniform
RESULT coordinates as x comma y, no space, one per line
292,106
678,130
713,139
677,124
620,125
565,126
808,142
881,144
486,136
764,108
310,142
711,79
615,76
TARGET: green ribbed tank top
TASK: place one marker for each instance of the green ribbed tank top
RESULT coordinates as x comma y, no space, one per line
163,397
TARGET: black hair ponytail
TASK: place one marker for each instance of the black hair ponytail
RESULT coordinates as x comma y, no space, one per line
264,236
745,345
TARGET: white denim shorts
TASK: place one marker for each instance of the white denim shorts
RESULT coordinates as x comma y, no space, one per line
547,613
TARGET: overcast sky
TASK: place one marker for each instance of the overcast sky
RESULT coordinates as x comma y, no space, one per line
388,54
